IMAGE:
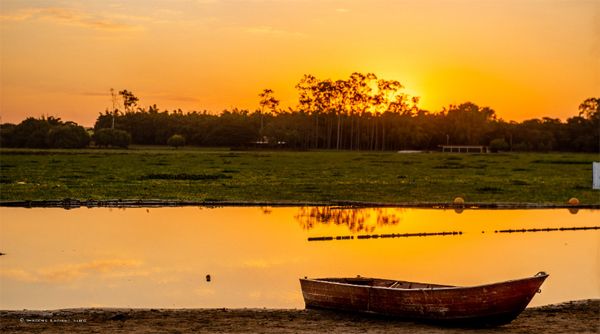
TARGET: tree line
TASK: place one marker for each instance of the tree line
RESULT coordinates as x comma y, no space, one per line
362,112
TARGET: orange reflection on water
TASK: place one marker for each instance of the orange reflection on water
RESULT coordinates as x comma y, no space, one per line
356,220
160,257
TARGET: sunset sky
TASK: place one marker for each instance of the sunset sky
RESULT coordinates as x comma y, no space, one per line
524,58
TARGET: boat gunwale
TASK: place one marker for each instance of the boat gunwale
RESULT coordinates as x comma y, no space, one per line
321,280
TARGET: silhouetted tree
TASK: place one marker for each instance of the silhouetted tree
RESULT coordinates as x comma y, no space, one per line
7,135
307,103
32,133
267,102
176,141
129,100
498,144
467,123
69,135
590,108
112,137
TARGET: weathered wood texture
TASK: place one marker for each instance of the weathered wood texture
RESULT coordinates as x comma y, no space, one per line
491,304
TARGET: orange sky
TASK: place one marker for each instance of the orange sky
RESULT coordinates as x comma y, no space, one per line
523,58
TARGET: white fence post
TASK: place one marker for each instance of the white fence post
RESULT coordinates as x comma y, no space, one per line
596,175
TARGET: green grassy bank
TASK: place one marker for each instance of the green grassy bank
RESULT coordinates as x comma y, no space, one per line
223,175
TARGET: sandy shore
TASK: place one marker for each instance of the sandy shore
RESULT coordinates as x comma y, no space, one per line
572,317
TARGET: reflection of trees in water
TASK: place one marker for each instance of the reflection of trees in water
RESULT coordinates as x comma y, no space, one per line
357,219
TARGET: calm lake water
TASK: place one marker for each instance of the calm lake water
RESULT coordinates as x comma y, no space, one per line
160,257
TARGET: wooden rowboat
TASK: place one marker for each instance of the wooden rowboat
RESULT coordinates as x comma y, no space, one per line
483,305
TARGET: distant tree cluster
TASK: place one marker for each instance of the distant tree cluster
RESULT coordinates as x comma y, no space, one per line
362,112
44,133
154,127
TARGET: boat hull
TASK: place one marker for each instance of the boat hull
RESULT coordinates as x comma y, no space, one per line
484,305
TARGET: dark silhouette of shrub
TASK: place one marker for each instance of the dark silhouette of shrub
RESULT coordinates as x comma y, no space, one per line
112,137
176,141
68,136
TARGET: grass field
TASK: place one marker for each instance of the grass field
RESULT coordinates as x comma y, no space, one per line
224,175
